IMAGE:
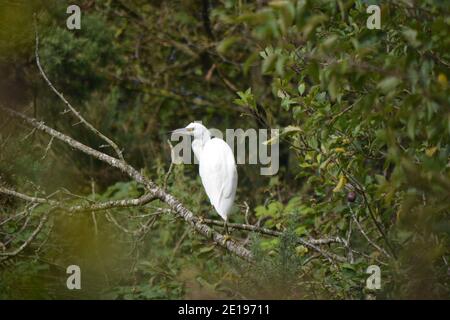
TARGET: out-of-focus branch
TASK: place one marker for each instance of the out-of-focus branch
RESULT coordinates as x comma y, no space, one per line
25,197
169,171
114,162
146,198
43,220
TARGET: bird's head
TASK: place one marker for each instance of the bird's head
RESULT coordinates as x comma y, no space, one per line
195,129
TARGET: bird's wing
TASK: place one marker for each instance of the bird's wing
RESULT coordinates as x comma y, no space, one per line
218,171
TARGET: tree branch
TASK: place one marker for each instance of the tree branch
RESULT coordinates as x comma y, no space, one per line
311,243
24,196
146,198
67,103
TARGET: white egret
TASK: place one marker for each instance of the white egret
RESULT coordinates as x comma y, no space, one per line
217,168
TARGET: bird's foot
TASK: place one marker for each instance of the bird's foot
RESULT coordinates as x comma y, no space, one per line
226,238
201,220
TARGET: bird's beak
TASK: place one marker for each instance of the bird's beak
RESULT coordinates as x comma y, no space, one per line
181,131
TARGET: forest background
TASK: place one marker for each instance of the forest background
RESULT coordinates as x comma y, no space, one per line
364,119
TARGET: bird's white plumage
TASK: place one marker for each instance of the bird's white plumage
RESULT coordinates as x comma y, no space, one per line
218,172
217,167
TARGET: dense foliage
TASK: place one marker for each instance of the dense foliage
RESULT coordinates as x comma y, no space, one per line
364,118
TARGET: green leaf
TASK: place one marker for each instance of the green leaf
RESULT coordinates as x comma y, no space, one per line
301,88
226,43
269,63
411,36
300,231
388,84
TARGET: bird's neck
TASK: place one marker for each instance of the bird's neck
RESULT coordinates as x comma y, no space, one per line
199,143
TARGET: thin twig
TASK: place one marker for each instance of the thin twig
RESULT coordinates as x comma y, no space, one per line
178,245
360,228
166,178
7,255
67,103
48,148
94,219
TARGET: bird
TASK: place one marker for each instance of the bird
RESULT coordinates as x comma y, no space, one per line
217,168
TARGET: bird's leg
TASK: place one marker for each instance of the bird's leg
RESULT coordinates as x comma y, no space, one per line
225,225
226,237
